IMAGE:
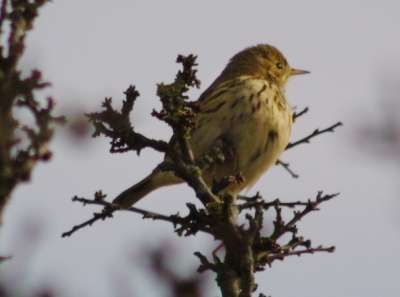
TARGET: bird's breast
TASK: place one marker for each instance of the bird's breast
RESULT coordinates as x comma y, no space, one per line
253,118
264,132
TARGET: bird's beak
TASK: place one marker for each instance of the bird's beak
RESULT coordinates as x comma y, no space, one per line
298,71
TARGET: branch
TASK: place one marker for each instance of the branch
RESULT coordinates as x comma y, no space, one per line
21,146
180,116
205,264
272,257
311,206
259,202
187,225
117,126
286,166
315,133
96,216
296,115
306,139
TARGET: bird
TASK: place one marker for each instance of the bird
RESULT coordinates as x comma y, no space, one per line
245,110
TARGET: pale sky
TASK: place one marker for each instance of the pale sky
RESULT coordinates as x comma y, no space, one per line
95,48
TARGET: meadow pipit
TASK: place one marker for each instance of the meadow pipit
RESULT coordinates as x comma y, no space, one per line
245,109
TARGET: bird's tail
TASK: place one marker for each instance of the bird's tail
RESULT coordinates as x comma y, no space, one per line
152,182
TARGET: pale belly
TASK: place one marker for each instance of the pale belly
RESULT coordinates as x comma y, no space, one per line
260,145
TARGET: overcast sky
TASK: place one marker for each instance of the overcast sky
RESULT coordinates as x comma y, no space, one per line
95,48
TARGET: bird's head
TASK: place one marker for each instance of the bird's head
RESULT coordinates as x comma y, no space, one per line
262,61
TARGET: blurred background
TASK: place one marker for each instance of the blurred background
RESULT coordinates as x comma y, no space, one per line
92,49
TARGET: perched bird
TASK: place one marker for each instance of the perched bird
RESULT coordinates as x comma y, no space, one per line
244,109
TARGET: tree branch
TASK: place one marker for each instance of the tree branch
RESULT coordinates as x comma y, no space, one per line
315,133
271,258
117,126
296,115
311,206
187,225
21,146
286,166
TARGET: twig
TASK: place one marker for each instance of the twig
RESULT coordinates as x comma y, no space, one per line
188,224
300,113
286,166
117,126
96,216
311,206
266,205
146,214
269,258
315,133
205,264
19,158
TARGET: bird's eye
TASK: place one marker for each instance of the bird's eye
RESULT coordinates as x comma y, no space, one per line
279,65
